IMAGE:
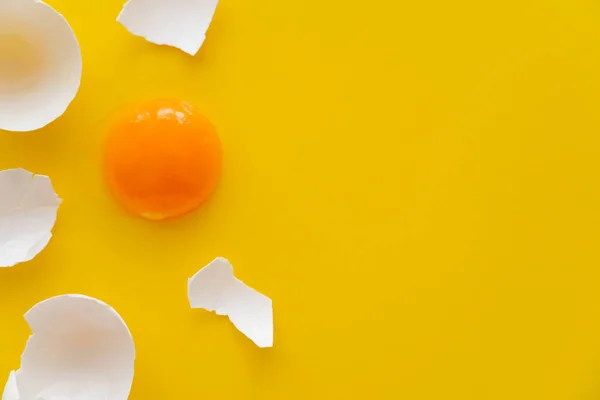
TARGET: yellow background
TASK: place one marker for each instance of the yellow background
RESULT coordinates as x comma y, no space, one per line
414,184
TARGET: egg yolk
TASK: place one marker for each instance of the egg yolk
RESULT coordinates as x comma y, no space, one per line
163,159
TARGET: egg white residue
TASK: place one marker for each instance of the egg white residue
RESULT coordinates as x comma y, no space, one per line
40,65
80,349
178,23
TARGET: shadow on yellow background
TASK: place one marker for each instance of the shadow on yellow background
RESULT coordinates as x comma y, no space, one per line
414,184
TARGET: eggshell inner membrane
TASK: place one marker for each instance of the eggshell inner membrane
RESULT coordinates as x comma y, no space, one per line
40,65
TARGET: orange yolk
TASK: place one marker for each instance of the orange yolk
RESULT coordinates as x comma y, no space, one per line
163,159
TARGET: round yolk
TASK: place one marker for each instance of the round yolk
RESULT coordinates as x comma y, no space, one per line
163,159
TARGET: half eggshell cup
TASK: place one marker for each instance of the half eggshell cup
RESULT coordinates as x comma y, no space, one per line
80,349
40,65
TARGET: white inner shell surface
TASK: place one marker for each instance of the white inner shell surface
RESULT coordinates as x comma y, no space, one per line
80,349
28,208
215,288
40,65
178,23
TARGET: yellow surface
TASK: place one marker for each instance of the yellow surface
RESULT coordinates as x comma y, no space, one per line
414,183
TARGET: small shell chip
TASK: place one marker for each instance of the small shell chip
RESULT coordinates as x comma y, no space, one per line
178,23
215,288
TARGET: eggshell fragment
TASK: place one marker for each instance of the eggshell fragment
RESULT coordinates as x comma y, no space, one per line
215,288
80,349
178,23
40,65
11,391
28,207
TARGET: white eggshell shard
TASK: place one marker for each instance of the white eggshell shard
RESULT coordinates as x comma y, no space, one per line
11,391
215,288
178,23
40,65
80,349
28,207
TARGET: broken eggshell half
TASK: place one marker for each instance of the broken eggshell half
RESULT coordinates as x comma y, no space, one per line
80,349
28,208
40,65
215,288
178,23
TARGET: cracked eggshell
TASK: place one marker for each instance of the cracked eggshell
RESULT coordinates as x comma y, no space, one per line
215,288
28,207
80,349
40,65
11,392
178,23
